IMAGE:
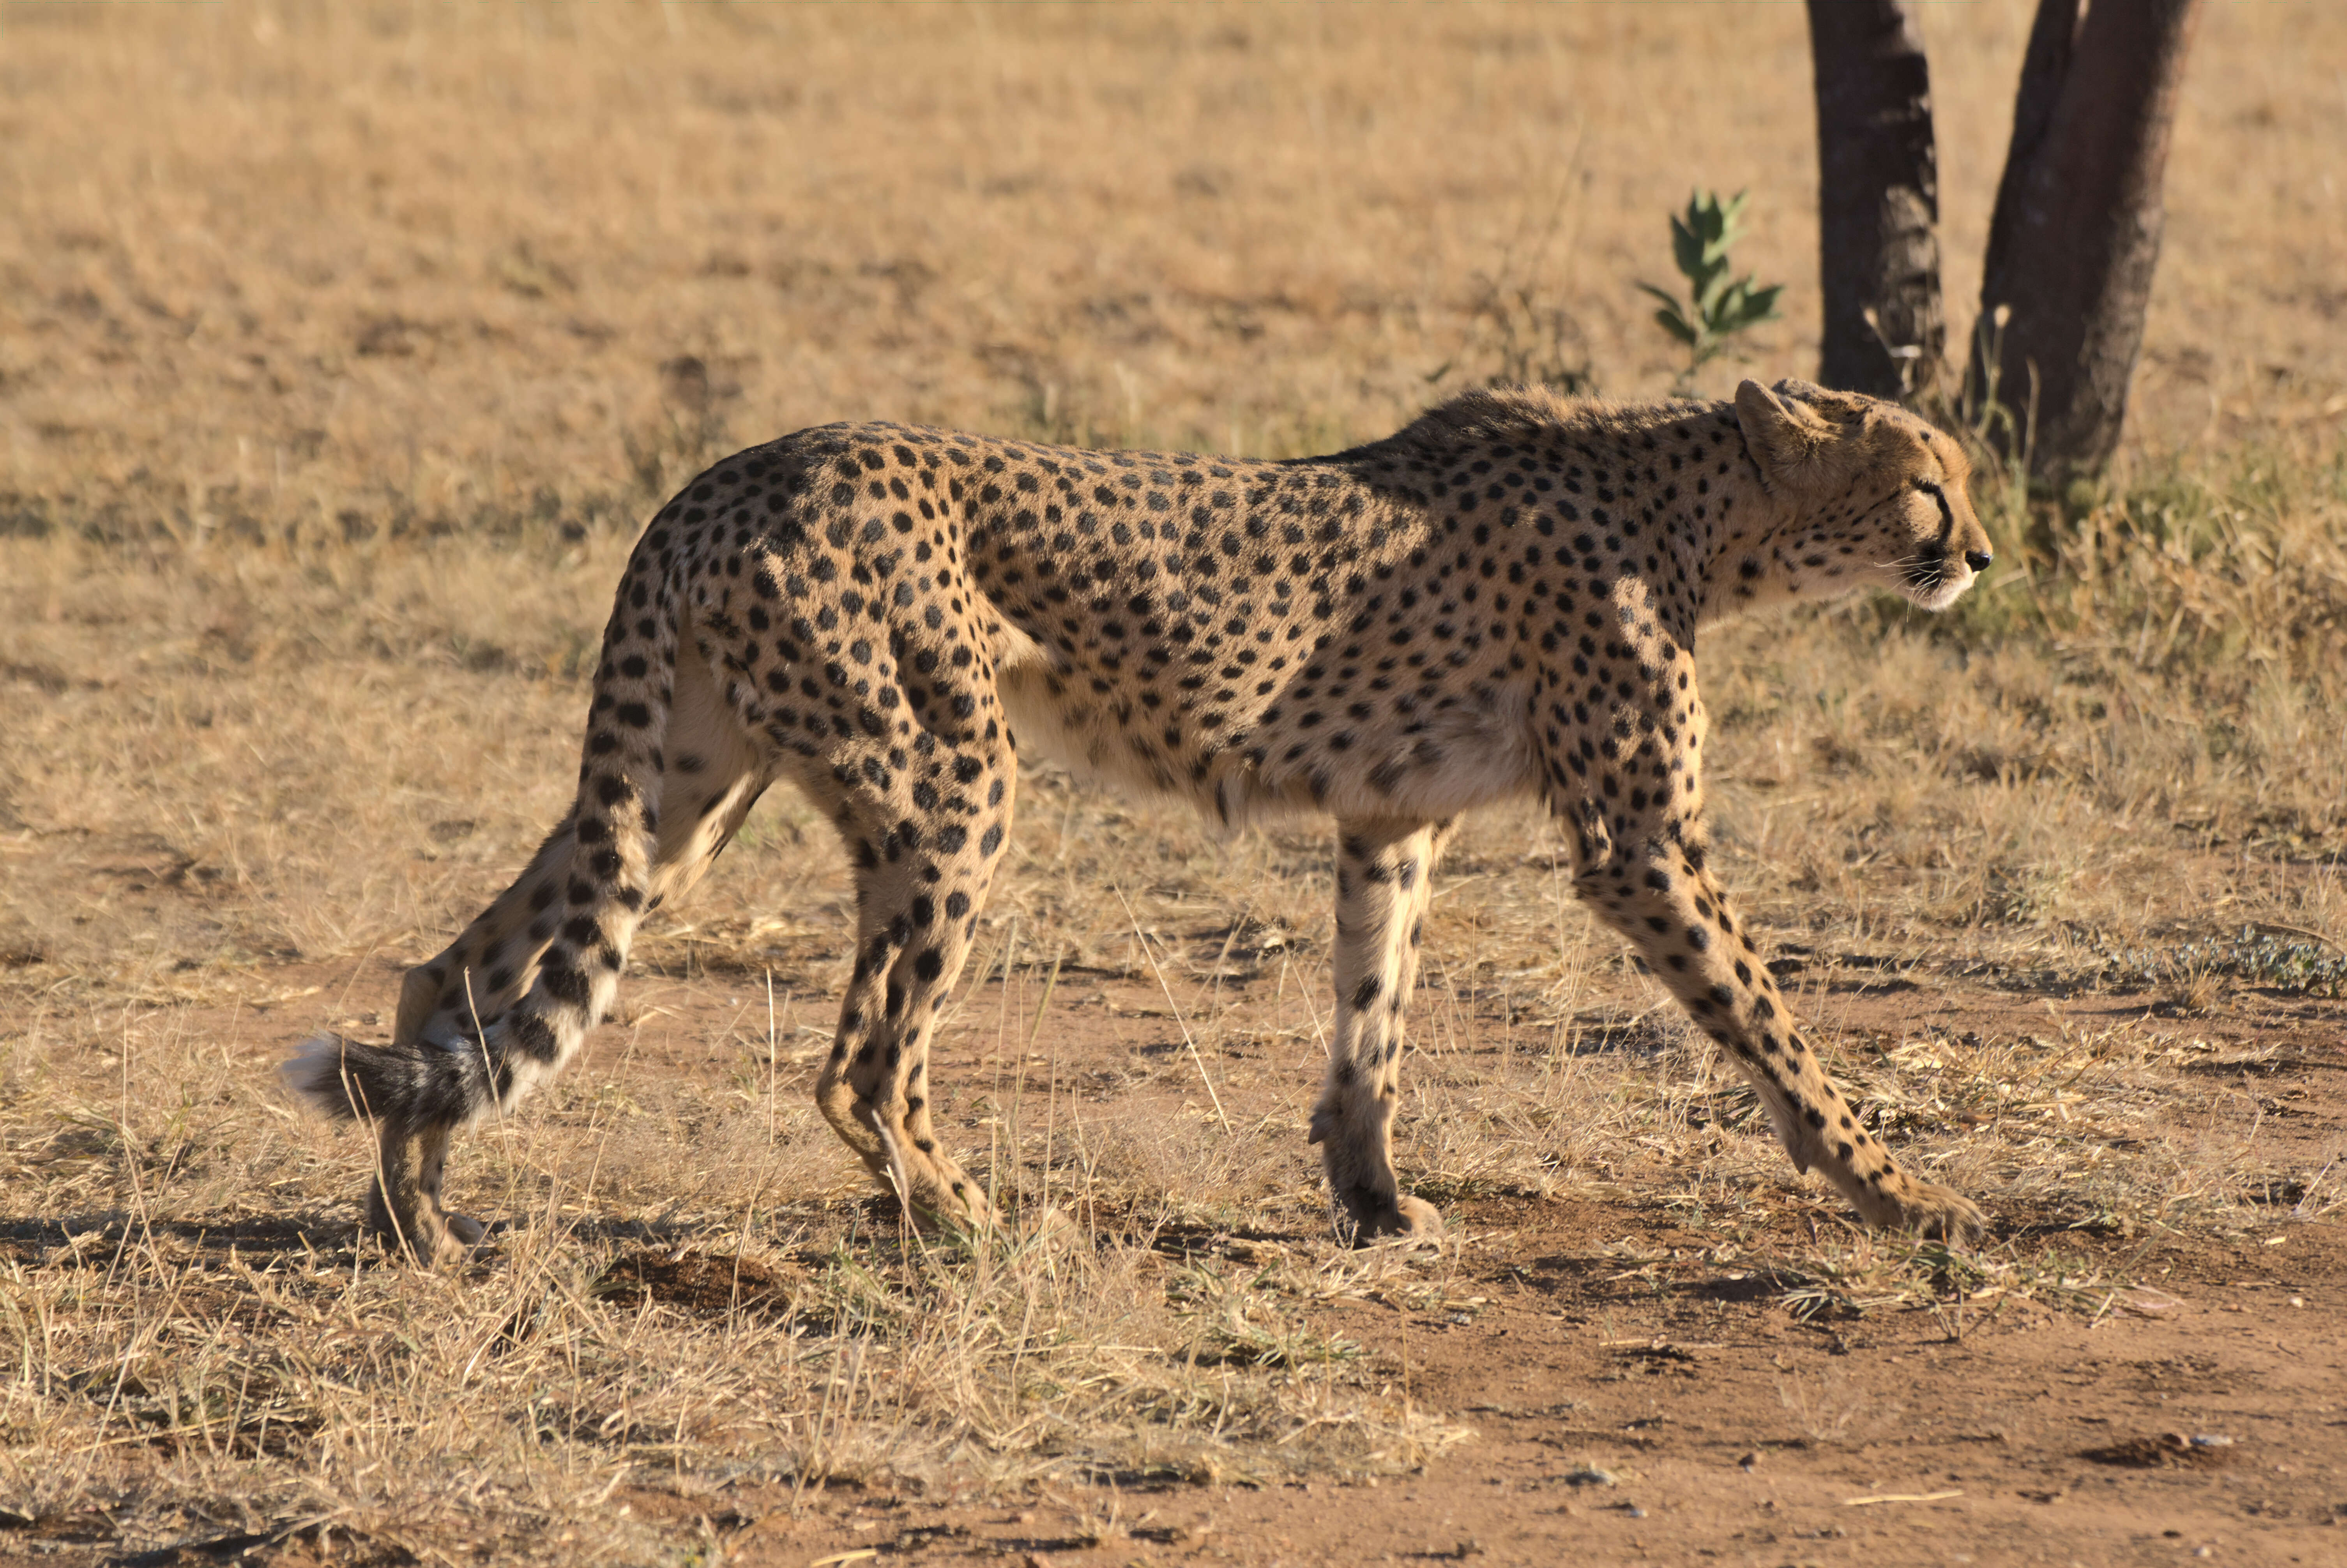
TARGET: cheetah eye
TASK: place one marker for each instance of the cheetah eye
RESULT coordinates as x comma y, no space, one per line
1939,497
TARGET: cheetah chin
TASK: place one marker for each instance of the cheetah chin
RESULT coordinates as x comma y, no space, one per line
1501,599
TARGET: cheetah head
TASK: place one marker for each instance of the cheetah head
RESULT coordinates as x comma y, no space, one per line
1877,496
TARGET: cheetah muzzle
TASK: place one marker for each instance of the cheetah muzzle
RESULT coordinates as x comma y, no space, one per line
1501,599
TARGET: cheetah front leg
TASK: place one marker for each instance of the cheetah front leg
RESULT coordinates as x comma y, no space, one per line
1383,871
1646,875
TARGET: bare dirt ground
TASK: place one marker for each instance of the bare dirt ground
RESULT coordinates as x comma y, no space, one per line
1638,1391
1628,1359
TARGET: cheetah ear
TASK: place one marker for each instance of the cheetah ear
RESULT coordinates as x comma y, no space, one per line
1796,390
1785,436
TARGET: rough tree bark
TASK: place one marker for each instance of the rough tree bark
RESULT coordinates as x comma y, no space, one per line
2076,235
1878,200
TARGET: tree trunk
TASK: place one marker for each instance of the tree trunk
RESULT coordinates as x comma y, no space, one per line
1878,200
2076,230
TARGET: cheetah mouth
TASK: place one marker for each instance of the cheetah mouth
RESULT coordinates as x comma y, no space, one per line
1935,583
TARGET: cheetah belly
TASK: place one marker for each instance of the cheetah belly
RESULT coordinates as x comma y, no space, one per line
1427,766
1055,715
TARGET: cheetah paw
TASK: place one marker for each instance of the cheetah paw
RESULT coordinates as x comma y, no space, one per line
450,1242
1408,1221
441,1241
1048,1230
1942,1213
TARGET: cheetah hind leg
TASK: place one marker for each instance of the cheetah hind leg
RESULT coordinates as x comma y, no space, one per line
404,1210
922,877
453,1026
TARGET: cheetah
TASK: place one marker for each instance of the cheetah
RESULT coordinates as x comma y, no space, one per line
1501,599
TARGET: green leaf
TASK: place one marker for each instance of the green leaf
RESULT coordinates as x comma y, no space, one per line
1715,290
1688,248
1716,304
1717,227
1671,321
1721,312
1730,226
1743,306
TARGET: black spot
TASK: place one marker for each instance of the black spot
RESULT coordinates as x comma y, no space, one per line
532,1036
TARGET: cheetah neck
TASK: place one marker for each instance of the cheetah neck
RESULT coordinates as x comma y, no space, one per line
1749,566
1679,470
1755,550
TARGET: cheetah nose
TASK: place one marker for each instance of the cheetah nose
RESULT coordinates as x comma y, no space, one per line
1979,560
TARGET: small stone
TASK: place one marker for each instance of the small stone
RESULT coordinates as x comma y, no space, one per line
1750,1459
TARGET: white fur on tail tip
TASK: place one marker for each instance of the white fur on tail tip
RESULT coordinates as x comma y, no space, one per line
315,1074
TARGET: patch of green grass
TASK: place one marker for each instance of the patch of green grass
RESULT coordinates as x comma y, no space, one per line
2295,968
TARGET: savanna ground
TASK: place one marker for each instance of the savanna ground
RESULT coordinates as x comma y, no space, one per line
342,350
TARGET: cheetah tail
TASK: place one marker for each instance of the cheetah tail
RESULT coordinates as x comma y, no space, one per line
465,1044
595,879
416,1085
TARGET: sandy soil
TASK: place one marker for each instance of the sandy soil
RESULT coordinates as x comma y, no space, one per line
1634,1399
1634,1394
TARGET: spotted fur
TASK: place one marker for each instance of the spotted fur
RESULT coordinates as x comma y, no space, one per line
1501,599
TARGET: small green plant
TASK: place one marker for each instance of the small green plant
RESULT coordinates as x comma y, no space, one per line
2186,974
1716,309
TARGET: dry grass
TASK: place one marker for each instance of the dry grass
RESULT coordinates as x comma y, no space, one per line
341,348
353,268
